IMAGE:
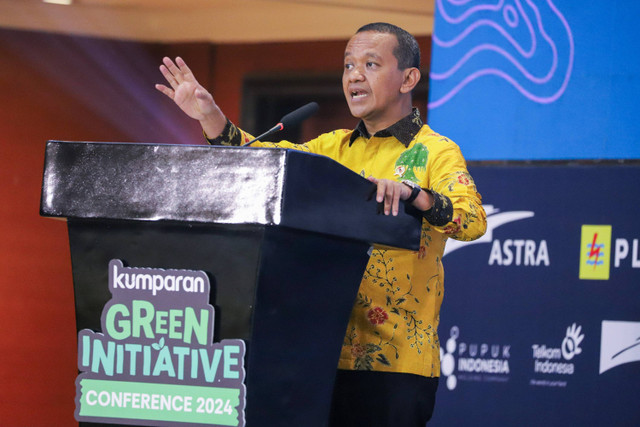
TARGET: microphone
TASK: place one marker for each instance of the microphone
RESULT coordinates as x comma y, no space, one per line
291,119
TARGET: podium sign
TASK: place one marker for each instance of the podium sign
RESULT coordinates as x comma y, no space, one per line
280,237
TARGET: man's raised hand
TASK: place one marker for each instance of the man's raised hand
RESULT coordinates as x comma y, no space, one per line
191,96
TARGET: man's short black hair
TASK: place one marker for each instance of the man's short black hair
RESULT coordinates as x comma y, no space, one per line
407,52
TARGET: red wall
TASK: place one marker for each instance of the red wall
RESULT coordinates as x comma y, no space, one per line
55,87
83,89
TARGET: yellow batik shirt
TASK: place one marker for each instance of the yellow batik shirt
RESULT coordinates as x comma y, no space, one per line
394,322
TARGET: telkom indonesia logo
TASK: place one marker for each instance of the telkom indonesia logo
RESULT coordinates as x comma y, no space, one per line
553,360
571,342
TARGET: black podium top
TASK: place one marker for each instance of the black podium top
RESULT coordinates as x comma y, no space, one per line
217,185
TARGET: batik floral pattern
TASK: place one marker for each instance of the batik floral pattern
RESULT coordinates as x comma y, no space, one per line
463,218
396,312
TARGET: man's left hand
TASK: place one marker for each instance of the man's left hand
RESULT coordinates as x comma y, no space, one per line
390,192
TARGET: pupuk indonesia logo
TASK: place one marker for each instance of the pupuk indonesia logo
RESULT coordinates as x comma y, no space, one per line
479,362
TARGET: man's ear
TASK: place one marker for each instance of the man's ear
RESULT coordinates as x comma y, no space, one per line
411,79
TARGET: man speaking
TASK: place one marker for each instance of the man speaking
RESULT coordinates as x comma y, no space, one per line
390,360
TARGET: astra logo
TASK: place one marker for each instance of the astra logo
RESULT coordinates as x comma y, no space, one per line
509,251
619,344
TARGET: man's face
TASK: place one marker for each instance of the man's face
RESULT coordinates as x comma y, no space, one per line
371,80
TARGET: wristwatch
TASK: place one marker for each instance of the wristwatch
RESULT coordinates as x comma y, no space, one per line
415,190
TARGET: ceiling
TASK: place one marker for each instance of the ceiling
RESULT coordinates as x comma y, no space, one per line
217,21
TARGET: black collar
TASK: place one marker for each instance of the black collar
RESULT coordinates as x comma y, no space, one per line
403,130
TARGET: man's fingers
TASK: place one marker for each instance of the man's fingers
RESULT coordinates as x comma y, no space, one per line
385,193
389,194
173,69
382,188
169,92
169,77
391,198
184,69
395,203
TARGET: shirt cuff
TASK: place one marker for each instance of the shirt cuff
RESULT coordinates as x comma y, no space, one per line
441,213
230,135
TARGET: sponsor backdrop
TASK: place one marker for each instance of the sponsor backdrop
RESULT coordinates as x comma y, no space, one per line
537,79
541,317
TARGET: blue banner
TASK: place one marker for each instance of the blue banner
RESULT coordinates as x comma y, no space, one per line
541,317
537,79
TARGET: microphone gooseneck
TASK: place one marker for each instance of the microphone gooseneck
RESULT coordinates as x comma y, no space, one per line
299,115
291,119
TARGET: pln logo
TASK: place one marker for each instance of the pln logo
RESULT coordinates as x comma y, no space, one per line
595,252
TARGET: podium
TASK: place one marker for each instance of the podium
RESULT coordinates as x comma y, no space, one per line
282,235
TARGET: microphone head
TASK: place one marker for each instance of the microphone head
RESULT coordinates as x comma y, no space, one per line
297,116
